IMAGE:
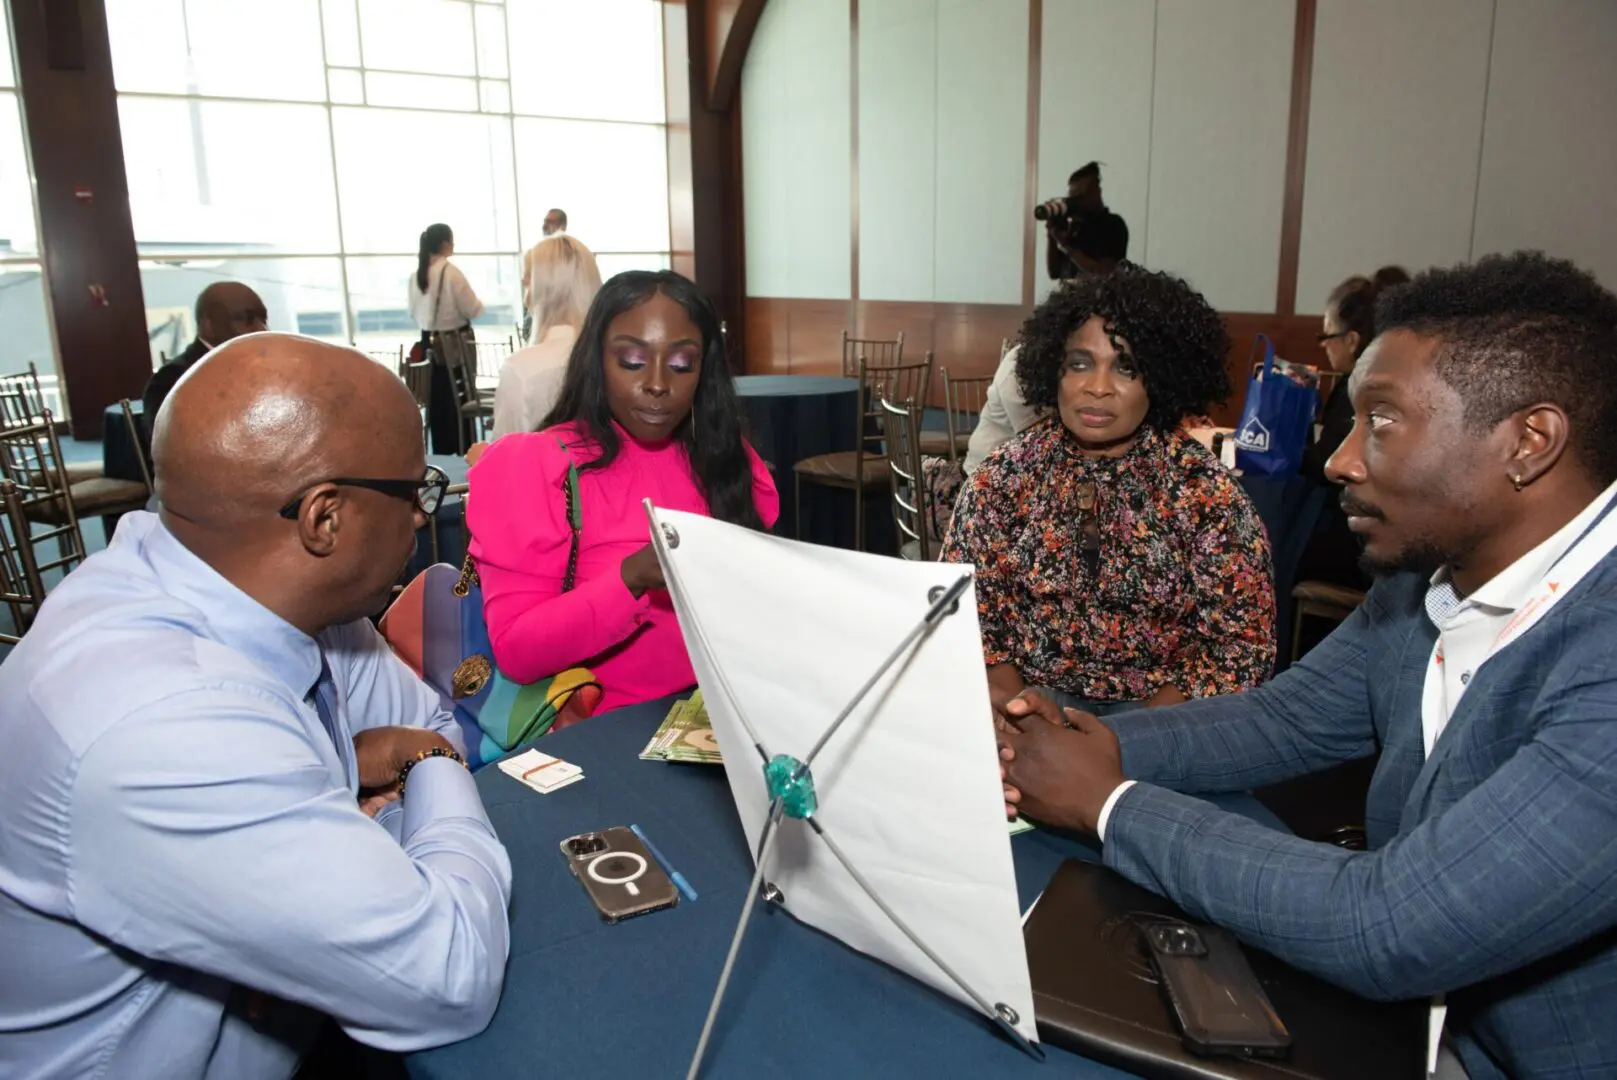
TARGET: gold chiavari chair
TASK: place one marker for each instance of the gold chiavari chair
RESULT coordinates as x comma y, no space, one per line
22,589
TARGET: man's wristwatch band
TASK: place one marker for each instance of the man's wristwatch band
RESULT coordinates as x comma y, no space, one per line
436,751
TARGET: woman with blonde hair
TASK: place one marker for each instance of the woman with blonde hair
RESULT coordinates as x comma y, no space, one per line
560,279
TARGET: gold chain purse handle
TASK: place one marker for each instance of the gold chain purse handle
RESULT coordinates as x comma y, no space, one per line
575,524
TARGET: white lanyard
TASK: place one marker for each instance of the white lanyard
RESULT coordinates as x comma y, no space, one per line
1597,541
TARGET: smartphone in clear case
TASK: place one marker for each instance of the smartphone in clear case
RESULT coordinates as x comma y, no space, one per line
618,873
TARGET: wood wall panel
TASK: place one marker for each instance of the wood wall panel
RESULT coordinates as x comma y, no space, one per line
804,337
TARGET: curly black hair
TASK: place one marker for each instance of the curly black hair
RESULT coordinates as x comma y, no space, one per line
1517,330
719,456
1177,340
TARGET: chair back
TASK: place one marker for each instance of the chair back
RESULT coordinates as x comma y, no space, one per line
417,378
31,458
22,399
461,363
963,402
895,382
22,589
132,426
877,352
491,356
901,429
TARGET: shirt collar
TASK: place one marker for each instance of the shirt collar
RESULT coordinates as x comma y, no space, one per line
1145,446
1509,589
230,616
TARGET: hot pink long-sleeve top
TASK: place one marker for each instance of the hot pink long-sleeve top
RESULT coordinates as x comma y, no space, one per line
517,515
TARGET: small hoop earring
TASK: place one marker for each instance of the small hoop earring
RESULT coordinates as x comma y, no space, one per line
1516,482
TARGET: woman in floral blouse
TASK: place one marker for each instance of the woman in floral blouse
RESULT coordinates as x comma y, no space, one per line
1118,563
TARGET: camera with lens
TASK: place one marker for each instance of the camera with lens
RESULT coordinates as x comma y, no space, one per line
1067,211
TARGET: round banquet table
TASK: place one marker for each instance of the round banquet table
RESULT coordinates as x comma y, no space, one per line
792,417
120,455
587,999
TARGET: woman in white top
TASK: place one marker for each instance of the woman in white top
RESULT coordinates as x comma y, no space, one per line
561,279
1005,415
442,300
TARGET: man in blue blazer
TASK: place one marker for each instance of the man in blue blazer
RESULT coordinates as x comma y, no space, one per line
1483,666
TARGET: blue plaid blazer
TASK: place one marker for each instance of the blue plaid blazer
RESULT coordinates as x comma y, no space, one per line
1492,869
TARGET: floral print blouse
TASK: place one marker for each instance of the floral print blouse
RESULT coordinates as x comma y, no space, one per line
1109,578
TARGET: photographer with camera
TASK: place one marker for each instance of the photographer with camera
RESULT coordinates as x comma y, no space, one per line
1084,236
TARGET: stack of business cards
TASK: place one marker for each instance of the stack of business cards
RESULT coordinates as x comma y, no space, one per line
541,772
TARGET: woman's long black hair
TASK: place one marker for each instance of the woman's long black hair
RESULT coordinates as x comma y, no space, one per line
433,237
711,434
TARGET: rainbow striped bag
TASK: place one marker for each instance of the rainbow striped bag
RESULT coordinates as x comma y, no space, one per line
436,626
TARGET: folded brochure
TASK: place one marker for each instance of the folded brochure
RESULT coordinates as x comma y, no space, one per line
685,735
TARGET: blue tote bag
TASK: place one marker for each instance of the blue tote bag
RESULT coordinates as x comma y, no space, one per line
1276,420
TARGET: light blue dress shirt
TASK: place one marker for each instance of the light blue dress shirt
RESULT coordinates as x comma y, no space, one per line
186,880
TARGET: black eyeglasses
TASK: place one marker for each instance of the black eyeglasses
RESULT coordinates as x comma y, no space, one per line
426,493
1323,338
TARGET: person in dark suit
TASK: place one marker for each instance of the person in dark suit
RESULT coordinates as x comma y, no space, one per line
225,309
1483,665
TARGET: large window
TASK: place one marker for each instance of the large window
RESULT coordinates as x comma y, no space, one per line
24,327
301,146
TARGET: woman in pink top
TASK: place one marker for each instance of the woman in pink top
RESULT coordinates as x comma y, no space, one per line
647,411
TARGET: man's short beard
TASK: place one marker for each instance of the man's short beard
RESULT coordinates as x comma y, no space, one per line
1419,557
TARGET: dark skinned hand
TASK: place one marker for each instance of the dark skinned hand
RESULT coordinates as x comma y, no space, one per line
1055,774
380,753
642,572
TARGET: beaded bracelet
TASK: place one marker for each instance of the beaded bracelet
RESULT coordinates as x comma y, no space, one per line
436,751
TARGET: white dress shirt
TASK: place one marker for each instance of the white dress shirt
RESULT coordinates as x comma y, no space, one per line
530,381
458,305
186,879
1467,628
1005,414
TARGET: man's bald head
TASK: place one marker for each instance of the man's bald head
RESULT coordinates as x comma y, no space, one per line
228,309
265,416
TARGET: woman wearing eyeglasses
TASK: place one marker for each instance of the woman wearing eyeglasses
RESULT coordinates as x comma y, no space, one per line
1346,330
647,410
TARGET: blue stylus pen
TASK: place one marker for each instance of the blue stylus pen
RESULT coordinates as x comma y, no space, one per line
668,868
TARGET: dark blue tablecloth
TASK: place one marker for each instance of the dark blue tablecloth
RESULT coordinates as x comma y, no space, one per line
585,999
792,417
120,457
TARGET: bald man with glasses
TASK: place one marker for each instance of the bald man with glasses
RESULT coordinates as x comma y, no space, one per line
230,812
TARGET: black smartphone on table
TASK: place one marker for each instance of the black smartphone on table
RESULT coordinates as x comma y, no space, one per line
1216,999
